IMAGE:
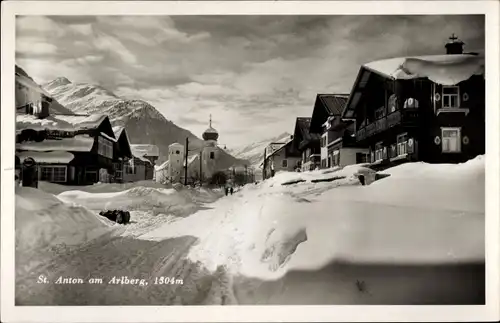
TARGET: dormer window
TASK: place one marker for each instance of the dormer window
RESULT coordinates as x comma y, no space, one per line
451,97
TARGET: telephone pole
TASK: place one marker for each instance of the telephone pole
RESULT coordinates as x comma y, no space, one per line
186,161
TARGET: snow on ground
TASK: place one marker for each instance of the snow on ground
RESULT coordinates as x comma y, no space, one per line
149,206
45,224
420,214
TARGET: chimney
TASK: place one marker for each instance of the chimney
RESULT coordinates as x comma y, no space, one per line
454,46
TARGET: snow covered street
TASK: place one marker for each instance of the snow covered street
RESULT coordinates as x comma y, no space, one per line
415,237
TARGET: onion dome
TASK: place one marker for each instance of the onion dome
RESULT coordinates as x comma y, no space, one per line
210,133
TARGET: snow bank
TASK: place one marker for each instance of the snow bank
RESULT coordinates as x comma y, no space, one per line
44,225
421,214
98,187
154,200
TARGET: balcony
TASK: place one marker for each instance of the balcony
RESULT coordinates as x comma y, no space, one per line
407,117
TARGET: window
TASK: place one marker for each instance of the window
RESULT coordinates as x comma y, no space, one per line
379,152
451,97
212,155
56,174
130,167
402,144
105,147
379,113
284,163
392,103
336,157
451,138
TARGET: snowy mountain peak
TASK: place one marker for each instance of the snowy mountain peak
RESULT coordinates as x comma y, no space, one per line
143,122
57,82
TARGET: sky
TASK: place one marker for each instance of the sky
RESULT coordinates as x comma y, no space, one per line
253,74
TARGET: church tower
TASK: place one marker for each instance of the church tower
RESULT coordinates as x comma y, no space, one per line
209,154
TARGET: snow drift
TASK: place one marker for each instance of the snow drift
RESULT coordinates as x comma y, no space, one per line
45,225
420,214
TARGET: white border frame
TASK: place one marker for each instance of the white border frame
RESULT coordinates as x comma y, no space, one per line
489,312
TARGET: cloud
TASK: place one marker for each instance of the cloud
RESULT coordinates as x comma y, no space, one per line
34,46
114,46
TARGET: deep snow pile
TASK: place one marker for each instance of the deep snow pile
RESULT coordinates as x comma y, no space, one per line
157,200
45,225
421,214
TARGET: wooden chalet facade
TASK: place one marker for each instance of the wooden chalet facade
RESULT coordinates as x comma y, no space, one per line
428,108
338,142
284,158
73,149
307,143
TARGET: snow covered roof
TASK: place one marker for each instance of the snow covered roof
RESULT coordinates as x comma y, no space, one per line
162,166
118,131
191,159
51,157
59,122
441,69
30,84
108,137
76,143
145,150
279,149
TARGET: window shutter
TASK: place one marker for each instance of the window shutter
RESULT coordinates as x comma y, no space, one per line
385,153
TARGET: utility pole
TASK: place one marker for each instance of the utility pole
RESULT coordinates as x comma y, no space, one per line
186,161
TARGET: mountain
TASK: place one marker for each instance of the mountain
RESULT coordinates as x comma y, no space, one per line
144,124
254,152
24,94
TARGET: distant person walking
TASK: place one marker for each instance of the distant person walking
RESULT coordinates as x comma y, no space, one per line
232,190
226,189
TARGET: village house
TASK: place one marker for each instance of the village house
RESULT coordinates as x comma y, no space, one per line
284,157
68,149
141,166
426,108
338,142
122,154
307,143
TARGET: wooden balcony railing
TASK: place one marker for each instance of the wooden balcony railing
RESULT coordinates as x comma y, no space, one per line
407,117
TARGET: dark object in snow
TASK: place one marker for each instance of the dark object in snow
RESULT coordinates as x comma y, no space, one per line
293,182
232,191
331,179
29,173
226,190
118,216
361,285
362,179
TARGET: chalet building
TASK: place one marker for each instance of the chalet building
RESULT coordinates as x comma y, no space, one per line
122,154
338,142
150,152
284,158
68,149
30,97
427,108
141,166
307,143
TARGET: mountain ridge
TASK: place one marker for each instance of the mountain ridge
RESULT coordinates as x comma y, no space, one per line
143,122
